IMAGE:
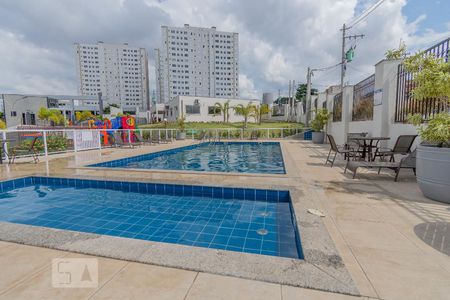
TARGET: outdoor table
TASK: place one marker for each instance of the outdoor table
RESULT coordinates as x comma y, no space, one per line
2,148
368,144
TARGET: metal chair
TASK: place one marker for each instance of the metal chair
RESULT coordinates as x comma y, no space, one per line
335,148
31,150
402,146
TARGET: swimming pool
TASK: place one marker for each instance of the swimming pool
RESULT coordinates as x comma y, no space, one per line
239,157
234,219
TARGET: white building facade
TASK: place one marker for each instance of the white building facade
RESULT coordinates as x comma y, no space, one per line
203,109
195,61
118,71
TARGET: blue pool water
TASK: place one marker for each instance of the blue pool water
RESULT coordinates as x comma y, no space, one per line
240,157
235,219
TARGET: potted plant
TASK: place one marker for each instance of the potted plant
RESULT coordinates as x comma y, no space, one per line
181,133
431,76
317,125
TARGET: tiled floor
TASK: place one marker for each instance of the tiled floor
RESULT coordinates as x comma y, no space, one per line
372,220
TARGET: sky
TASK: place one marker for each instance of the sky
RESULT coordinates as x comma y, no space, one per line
278,39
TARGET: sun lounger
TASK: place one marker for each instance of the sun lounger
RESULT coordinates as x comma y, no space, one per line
408,162
254,135
118,140
139,139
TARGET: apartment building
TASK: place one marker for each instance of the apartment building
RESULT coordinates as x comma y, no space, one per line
194,61
118,71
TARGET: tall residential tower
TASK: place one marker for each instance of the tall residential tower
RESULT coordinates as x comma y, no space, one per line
197,61
119,71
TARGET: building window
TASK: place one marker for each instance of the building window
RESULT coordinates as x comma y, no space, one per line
193,109
213,110
13,113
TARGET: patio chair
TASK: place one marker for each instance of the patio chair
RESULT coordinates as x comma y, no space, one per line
407,162
118,141
402,146
254,135
336,149
139,140
165,138
154,138
31,150
202,135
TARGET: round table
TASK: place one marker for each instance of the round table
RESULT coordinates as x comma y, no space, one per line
368,144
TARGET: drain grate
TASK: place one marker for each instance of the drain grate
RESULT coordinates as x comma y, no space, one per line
262,231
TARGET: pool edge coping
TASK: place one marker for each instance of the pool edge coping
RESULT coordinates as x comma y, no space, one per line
322,267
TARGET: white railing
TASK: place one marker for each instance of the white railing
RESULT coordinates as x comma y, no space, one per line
51,141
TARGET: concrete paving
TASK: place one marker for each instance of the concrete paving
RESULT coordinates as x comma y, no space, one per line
379,228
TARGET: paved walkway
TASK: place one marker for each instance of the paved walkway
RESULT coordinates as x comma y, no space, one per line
378,226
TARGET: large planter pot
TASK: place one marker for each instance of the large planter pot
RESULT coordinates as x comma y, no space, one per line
433,172
181,135
318,137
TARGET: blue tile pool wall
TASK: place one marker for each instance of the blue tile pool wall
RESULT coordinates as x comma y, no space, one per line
125,162
213,218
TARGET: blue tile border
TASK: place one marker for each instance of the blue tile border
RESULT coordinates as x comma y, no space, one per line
230,193
153,188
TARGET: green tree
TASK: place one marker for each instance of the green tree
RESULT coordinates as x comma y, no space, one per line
44,114
81,116
181,123
431,76
245,111
398,53
224,109
300,94
261,110
321,119
56,117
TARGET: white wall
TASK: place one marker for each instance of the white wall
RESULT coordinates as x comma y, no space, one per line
383,122
205,102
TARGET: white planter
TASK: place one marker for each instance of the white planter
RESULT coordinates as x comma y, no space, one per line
433,172
318,137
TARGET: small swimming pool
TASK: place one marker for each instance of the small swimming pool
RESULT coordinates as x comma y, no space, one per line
239,157
235,219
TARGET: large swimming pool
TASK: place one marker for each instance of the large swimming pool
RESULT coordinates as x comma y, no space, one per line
239,157
235,219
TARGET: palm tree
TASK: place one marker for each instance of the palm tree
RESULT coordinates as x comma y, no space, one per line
223,108
261,110
245,111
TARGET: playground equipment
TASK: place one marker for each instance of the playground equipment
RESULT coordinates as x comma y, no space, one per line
108,126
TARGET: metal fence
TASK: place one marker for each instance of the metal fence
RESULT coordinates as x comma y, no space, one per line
337,108
363,93
405,104
54,141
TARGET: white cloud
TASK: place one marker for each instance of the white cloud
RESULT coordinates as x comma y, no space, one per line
247,87
278,39
27,68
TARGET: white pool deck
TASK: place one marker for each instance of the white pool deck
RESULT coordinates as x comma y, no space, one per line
375,223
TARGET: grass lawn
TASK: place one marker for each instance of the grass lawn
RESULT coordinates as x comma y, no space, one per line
202,125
